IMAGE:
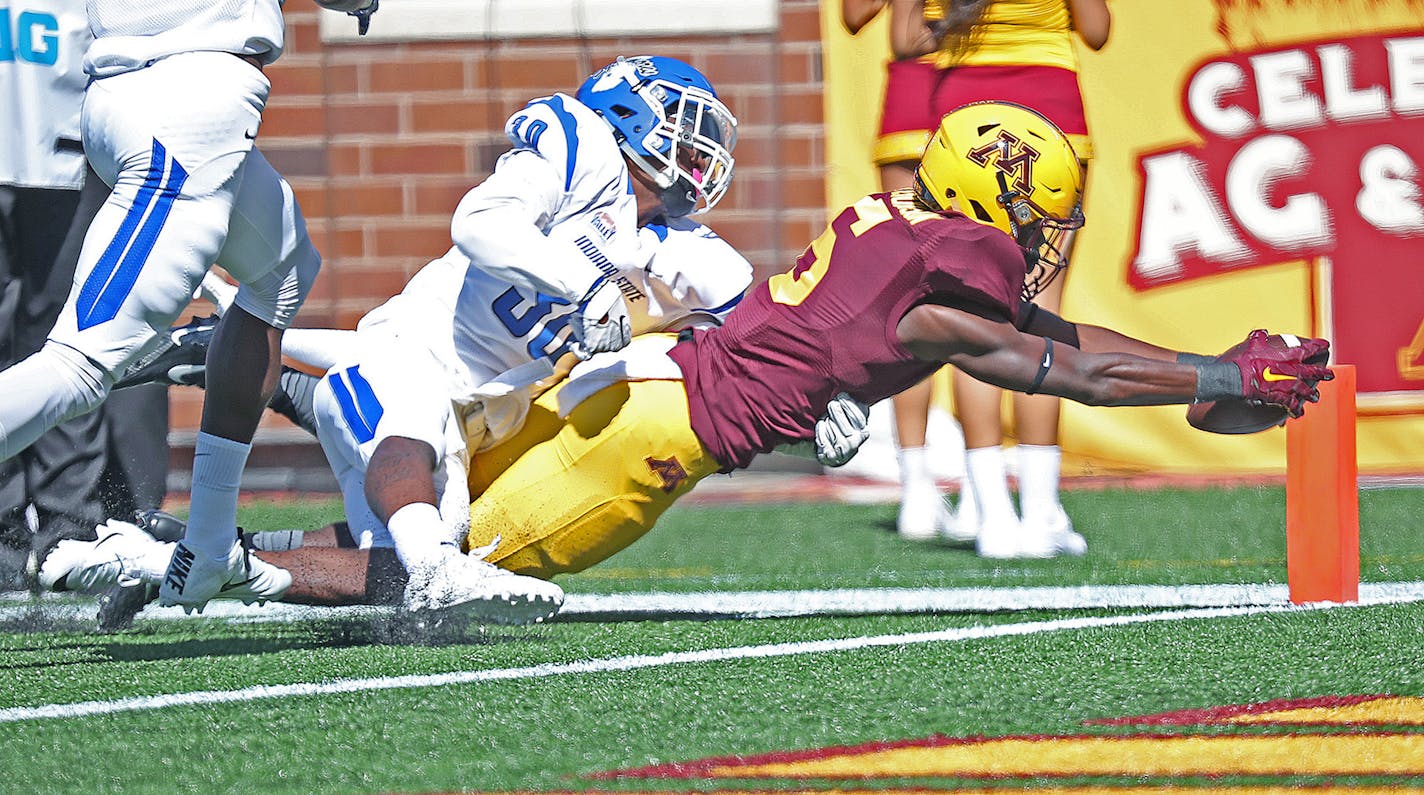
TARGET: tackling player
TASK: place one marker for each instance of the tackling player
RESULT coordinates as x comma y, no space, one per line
550,252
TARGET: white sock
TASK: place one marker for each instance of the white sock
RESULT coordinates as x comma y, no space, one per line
217,473
987,477
1039,467
418,530
277,540
914,470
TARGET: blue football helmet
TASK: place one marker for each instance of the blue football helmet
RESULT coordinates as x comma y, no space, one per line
668,120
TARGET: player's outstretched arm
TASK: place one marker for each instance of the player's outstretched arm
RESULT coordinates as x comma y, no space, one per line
995,352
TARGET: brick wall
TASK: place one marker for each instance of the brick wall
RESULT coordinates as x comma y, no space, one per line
380,141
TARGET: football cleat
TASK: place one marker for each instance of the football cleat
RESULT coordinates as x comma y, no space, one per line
95,566
121,603
161,525
193,580
180,361
467,586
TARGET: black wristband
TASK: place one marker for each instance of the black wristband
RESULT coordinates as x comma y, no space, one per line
1218,380
1043,365
1194,359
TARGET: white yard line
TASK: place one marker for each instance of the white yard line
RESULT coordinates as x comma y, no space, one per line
627,663
785,604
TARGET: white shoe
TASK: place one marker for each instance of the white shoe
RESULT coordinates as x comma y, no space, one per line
94,566
193,580
472,587
923,515
1055,532
1002,538
966,527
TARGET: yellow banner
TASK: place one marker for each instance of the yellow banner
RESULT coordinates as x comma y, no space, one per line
1257,165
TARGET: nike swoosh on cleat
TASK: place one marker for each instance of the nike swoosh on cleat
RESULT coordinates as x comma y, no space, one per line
1271,375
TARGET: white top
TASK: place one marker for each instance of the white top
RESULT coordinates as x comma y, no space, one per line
557,214
44,91
130,34
481,328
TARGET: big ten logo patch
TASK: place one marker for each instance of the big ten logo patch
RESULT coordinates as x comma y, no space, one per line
1263,747
1310,150
29,36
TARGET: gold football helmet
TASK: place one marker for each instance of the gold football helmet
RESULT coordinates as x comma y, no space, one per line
1006,166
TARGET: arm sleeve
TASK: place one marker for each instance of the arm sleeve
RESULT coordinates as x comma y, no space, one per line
500,226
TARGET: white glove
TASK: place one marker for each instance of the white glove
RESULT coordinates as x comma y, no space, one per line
841,430
601,321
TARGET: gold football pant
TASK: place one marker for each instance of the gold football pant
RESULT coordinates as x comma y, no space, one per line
563,495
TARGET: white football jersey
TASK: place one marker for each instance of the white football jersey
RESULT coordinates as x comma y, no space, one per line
494,340
129,34
557,214
43,83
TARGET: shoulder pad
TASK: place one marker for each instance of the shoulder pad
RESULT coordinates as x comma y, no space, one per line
568,135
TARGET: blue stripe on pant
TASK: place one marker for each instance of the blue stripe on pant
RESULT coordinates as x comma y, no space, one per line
113,278
362,412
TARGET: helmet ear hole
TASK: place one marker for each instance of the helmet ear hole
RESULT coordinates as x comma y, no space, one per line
979,211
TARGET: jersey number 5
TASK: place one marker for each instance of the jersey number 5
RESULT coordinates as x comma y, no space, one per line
794,286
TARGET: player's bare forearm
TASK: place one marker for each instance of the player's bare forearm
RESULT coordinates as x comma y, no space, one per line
400,472
995,352
1107,379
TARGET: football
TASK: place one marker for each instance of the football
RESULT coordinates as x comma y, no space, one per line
1239,416
1234,416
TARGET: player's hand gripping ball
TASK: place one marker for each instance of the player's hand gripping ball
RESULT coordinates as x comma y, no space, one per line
1279,373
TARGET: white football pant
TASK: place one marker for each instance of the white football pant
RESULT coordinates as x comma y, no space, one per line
175,140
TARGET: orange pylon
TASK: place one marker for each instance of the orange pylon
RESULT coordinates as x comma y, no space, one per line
1323,497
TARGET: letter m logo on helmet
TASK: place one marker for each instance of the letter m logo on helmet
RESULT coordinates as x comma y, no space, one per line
1011,156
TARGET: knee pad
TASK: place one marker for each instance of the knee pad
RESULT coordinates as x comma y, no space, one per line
276,296
88,383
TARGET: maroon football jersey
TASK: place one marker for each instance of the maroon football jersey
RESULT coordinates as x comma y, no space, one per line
828,325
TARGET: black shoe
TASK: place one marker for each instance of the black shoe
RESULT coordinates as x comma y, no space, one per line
119,605
161,525
181,360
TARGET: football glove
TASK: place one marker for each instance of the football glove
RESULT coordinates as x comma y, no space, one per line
1276,372
601,321
841,430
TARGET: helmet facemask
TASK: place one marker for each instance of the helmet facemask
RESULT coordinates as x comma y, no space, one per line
1044,238
688,153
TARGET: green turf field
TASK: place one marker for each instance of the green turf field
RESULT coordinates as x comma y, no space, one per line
900,699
